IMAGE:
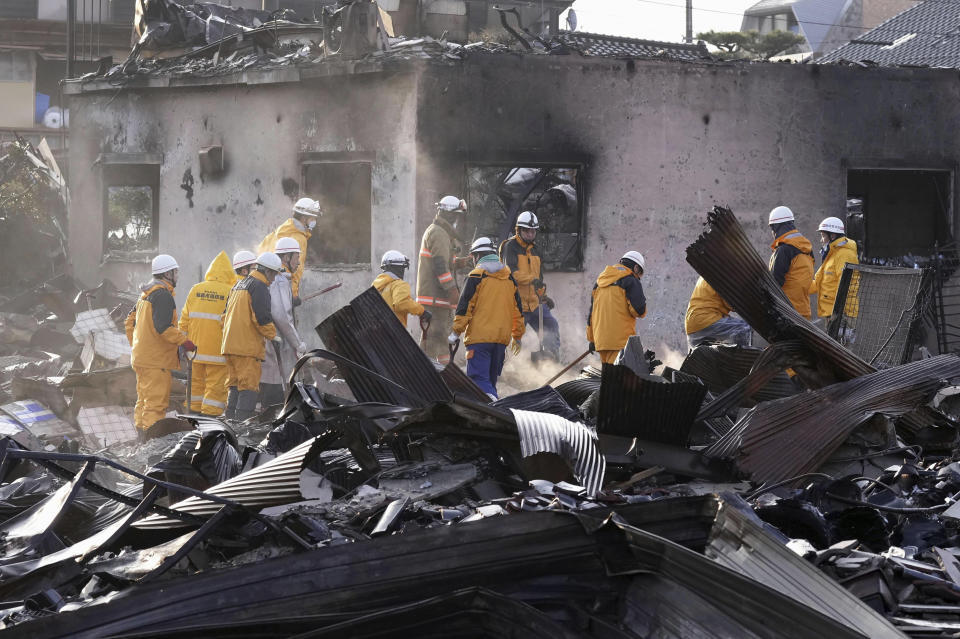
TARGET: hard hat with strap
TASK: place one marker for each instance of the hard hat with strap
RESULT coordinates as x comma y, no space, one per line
286,245
243,258
451,203
163,263
832,225
483,245
270,261
779,215
636,257
528,220
307,206
394,258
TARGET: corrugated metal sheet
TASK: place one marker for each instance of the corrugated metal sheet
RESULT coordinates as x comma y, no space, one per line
543,433
721,366
576,391
788,437
459,384
542,400
367,332
739,542
276,482
631,406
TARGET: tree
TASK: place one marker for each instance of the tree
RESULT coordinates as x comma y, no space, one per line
729,42
775,42
750,44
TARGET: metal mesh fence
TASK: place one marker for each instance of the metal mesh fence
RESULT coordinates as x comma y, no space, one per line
881,307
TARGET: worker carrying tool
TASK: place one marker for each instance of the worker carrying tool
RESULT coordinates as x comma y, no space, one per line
201,320
836,251
708,319
243,261
436,286
489,312
154,339
617,302
519,253
281,356
299,227
395,291
247,322
791,262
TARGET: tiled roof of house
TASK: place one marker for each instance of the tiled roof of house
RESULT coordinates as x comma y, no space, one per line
927,34
619,47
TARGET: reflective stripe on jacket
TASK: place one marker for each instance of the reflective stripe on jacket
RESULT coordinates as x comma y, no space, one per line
525,266
705,308
791,265
248,320
152,328
616,303
295,229
396,293
841,251
202,317
435,265
489,307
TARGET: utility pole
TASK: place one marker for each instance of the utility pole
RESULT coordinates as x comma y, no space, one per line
71,27
689,37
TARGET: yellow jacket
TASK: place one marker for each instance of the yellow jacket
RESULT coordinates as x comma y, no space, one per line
791,265
525,266
202,317
152,328
291,228
489,307
248,321
616,303
435,265
839,252
705,308
396,293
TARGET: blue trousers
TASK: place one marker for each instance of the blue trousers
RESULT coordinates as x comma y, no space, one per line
551,329
484,365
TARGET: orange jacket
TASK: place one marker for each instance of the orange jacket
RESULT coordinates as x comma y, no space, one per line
791,265
202,316
525,266
705,308
248,320
291,228
396,293
489,307
152,328
616,303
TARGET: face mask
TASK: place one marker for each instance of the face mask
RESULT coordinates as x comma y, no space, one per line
311,224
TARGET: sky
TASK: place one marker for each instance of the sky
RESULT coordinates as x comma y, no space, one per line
657,19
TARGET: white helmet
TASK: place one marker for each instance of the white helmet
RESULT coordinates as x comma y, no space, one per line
831,225
636,258
243,258
307,206
528,220
780,214
270,261
483,245
286,245
451,203
163,263
394,258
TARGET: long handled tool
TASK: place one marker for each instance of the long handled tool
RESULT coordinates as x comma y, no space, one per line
537,356
568,367
321,291
190,355
283,382
424,328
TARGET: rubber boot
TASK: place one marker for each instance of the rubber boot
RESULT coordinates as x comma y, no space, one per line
246,405
271,394
231,411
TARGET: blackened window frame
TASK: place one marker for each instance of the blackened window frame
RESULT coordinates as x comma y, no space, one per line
129,169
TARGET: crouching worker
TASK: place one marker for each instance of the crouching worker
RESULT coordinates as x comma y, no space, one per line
489,311
395,291
154,339
246,323
616,304
708,319
290,347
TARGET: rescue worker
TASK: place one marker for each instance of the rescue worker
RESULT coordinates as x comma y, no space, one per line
290,347
708,319
299,227
520,255
395,291
836,251
791,262
154,339
617,302
489,311
201,321
243,261
247,322
436,287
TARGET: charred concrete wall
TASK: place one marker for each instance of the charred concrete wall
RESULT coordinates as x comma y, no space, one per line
265,130
662,142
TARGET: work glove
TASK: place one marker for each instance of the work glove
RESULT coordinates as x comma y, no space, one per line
592,347
537,284
189,346
453,339
425,317
548,301
462,263
301,350
297,301
277,340
515,346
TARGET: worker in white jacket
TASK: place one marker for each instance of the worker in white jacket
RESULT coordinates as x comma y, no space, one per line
287,342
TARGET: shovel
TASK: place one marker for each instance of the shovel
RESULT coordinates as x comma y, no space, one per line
568,367
189,355
537,356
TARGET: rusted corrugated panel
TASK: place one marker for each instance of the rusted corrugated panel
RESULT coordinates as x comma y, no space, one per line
459,384
631,406
722,366
788,437
576,391
728,261
367,332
